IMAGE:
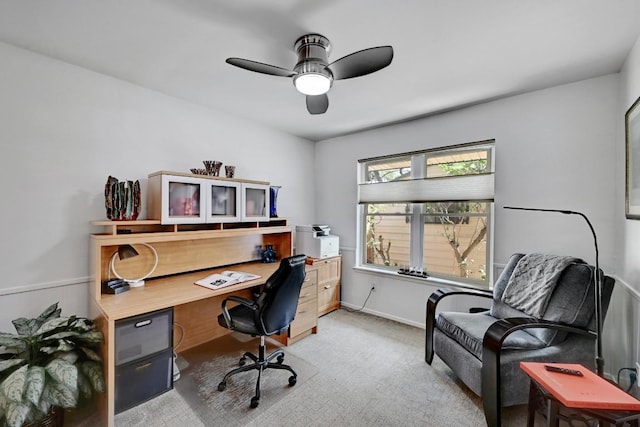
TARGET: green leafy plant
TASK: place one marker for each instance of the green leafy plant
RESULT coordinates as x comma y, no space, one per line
50,361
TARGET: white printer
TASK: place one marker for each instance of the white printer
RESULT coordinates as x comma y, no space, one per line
315,241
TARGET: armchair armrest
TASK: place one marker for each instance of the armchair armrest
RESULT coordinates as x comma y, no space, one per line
500,330
242,301
432,304
491,348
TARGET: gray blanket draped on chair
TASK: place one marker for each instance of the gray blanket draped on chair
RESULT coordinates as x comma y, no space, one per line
533,280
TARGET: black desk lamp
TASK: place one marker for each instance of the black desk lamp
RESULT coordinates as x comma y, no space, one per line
597,284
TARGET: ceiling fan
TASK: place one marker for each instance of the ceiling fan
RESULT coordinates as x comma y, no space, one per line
313,75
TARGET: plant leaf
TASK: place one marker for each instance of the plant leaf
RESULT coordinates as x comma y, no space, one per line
63,372
25,327
6,364
84,385
49,313
17,413
83,324
44,405
11,345
52,324
13,386
91,354
93,370
92,337
59,395
69,356
34,384
63,334
8,339
63,346
3,405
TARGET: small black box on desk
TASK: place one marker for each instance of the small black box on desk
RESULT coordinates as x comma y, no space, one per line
114,286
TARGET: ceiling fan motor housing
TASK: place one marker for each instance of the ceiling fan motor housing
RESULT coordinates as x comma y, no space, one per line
313,51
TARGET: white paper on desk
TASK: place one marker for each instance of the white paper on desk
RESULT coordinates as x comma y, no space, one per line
226,278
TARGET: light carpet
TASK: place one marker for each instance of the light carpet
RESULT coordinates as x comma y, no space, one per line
359,370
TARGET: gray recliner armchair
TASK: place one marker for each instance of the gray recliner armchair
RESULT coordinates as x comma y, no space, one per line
484,349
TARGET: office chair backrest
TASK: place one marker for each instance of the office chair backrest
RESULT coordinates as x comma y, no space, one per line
278,301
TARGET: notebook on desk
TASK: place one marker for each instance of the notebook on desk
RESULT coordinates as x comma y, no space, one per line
226,278
588,391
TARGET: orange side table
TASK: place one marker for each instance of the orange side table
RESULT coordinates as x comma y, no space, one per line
590,395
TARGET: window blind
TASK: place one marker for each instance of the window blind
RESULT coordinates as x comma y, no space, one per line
478,187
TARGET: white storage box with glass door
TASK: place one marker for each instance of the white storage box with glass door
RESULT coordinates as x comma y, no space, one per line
179,198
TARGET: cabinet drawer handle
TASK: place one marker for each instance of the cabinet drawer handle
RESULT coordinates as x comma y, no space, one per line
143,323
302,312
145,366
327,287
305,295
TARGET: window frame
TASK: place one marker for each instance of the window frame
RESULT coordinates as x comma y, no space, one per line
417,214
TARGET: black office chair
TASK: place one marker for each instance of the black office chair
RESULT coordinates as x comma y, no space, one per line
270,313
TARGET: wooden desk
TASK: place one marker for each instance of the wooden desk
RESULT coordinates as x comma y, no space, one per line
180,254
177,290
589,397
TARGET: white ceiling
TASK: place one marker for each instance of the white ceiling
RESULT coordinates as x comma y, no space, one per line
448,53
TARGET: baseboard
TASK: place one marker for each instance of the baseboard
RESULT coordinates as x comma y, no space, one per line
383,315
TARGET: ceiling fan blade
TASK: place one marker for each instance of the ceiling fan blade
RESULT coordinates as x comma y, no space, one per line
259,67
317,104
361,63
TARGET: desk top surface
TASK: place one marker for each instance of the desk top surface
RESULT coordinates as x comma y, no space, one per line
177,289
588,391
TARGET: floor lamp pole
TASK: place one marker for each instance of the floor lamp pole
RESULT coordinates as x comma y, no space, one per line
597,283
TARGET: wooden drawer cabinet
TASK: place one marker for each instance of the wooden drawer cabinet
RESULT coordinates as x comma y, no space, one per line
329,273
328,298
320,294
307,313
306,320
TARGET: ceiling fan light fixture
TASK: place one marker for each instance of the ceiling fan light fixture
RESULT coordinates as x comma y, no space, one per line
313,75
312,83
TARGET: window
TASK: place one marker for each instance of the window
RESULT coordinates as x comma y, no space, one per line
428,211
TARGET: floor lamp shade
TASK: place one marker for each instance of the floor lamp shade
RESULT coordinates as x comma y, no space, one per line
126,252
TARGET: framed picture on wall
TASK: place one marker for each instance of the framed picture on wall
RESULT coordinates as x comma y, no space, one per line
632,136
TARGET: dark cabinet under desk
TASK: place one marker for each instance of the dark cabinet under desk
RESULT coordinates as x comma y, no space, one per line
143,358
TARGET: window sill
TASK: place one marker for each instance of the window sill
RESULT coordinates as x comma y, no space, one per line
426,280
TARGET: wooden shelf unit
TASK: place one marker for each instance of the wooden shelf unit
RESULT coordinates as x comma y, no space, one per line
155,226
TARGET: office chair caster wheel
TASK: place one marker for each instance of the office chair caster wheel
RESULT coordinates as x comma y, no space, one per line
292,381
222,386
255,402
280,359
242,361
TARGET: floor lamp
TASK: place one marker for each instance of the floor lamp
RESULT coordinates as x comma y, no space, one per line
597,284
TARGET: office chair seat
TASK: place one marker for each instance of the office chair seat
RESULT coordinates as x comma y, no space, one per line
270,313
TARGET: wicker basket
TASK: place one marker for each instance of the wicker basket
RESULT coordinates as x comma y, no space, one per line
55,418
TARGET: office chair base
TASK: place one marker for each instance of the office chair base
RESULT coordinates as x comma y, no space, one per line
260,363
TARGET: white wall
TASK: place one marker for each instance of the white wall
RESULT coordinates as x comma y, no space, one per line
624,319
64,130
555,148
